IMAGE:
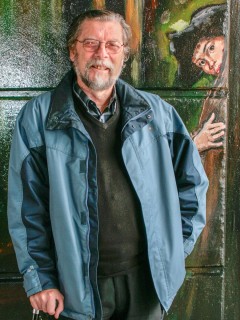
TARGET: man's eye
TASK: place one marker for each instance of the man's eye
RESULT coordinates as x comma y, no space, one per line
113,44
90,43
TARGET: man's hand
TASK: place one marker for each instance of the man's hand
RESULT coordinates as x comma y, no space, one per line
210,133
49,301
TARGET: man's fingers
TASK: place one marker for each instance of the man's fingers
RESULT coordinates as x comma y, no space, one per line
59,308
49,301
51,305
34,303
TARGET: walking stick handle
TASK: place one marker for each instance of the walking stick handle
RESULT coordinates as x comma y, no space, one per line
35,314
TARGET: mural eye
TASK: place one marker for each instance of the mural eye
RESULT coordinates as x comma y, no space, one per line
201,63
211,48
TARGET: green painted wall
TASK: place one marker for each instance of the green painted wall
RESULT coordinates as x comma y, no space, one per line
33,59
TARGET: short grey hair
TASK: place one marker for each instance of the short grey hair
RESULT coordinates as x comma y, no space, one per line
100,15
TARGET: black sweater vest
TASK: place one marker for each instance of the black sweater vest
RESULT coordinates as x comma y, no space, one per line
121,232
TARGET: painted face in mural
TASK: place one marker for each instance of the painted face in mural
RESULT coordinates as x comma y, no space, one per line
98,69
208,55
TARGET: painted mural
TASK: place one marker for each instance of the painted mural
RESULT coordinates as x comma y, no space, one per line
179,51
199,49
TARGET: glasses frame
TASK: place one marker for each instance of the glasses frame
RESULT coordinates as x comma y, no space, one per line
99,43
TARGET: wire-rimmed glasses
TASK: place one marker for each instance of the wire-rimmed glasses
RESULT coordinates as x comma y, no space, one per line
92,45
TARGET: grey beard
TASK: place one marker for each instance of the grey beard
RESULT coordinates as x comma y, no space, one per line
98,84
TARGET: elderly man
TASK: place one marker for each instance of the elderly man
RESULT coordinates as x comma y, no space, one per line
106,188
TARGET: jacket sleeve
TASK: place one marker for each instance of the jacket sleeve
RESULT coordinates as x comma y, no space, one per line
28,208
191,180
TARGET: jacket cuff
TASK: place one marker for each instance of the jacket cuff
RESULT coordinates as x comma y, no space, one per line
36,280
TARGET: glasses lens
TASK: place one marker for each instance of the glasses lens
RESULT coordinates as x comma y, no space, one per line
113,46
90,45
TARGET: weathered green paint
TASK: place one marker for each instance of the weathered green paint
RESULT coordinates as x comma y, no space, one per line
33,59
201,296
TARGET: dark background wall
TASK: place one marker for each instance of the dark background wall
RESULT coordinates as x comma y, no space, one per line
33,59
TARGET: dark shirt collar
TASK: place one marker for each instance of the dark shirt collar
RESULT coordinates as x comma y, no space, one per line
91,106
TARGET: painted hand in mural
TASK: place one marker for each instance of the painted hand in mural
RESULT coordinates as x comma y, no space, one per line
49,301
208,137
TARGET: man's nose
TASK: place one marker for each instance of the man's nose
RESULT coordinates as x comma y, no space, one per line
101,51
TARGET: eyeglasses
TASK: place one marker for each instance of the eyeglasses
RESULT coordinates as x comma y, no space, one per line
92,45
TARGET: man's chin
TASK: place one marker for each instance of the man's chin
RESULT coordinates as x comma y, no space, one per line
99,84
100,87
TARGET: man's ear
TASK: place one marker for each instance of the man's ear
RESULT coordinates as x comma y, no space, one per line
72,53
126,56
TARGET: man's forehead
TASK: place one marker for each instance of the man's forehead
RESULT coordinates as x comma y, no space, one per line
94,25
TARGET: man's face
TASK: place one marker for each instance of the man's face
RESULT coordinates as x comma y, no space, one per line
100,69
208,55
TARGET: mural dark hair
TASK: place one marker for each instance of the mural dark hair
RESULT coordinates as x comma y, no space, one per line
100,15
205,23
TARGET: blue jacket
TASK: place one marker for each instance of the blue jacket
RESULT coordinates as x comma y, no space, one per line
53,191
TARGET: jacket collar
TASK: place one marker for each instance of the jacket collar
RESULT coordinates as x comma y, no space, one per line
62,113
136,112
